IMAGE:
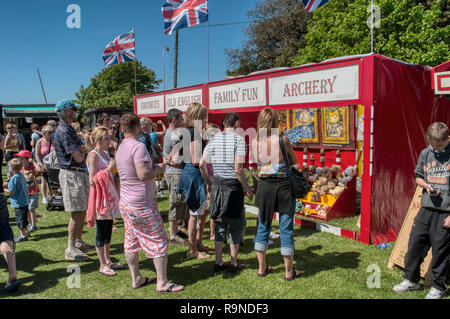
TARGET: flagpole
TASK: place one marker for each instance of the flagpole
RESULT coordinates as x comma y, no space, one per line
207,49
135,61
175,69
371,30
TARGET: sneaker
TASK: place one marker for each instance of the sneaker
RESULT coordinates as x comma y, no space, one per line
177,240
75,255
435,294
272,235
32,228
406,285
21,238
84,247
44,201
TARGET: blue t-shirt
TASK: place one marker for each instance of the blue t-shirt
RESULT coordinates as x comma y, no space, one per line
18,185
154,137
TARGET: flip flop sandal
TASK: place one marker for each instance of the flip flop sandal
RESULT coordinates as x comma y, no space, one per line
199,255
10,287
147,282
117,266
108,273
295,274
169,289
236,268
205,248
267,271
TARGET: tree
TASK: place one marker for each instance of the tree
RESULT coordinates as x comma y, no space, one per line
412,31
115,86
272,42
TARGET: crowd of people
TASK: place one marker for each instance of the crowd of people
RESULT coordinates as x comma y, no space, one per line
111,172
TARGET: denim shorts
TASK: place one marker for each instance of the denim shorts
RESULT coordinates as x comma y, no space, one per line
234,226
21,217
34,201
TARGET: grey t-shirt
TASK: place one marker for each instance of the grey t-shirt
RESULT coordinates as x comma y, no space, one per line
170,139
434,168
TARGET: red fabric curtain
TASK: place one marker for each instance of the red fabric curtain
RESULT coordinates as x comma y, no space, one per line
404,106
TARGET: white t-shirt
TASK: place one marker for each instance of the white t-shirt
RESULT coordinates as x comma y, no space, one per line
223,147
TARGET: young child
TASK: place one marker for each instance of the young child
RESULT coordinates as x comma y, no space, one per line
18,191
432,224
29,171
7,247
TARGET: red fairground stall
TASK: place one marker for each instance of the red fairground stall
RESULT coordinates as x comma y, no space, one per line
365,112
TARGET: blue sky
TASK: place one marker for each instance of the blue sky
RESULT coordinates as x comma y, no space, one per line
35,35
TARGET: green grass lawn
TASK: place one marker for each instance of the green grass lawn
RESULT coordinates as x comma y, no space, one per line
331,267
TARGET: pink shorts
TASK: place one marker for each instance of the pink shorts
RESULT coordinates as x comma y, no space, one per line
144,230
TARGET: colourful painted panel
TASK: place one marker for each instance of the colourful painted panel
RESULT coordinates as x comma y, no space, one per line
335,125
306,125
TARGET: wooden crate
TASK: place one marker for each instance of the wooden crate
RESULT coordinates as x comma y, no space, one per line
401,245
341,206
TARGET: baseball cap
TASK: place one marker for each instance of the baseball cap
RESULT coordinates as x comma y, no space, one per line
23,153
64,104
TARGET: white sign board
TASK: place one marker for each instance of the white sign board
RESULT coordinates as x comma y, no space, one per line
442,82
335,84
181,100
150,105
242,94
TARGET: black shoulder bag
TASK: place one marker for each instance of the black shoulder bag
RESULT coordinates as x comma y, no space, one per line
298,183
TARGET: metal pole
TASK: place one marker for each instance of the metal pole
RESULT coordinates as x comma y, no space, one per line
207,50
175,71
371,30
164,67
42,86
135,61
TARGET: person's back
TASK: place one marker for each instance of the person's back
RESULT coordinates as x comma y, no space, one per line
270,158
133,191
223,149
18,185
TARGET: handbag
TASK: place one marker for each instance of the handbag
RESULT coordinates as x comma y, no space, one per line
175,157
298,184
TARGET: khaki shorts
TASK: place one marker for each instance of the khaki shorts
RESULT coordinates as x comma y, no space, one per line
178,208
75,190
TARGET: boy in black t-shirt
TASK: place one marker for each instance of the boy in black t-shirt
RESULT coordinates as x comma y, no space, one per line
432,225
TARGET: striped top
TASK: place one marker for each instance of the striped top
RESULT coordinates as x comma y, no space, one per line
223,147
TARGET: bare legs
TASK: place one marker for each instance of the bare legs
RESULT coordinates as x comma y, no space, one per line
161,272
75,228
288,263
7,250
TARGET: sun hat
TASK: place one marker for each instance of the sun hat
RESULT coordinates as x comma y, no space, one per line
24,153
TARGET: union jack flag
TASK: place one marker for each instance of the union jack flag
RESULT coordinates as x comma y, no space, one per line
311,5
180,14
122,49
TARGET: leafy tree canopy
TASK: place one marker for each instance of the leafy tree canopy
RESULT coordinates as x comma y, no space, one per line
411,30
272,42
115,86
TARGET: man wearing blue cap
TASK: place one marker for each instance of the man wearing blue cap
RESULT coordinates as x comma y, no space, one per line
74,182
